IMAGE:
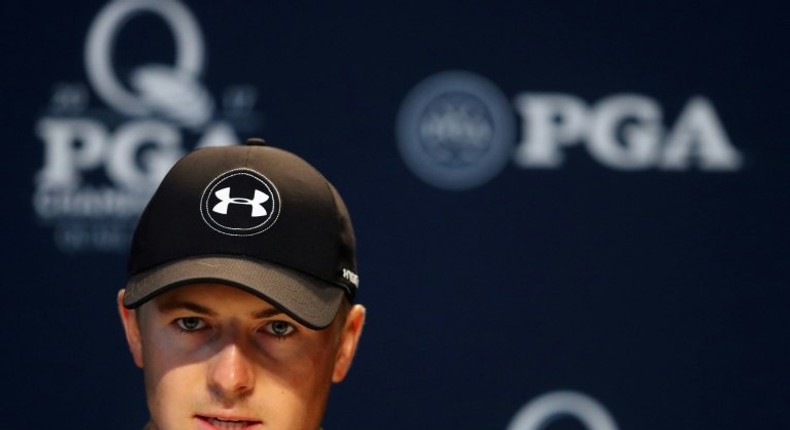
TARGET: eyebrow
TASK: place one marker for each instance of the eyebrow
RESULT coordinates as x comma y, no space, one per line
267,313
177,303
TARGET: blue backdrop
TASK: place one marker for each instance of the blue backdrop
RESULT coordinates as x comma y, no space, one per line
580,198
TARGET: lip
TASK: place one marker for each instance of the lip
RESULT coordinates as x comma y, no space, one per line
227,422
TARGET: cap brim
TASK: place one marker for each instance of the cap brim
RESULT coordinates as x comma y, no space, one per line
306,299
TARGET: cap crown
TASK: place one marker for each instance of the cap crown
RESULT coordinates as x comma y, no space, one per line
257,202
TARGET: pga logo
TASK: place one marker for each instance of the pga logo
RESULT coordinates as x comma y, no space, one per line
134,156
456,131
624,131
101,164
155,102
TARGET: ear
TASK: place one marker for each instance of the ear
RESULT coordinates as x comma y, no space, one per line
132,330
349,339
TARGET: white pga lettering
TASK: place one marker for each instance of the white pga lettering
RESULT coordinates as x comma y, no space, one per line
77,145
624,132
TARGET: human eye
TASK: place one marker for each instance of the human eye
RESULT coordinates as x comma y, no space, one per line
279,329
190,324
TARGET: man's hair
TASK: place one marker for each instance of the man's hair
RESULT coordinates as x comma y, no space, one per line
342,313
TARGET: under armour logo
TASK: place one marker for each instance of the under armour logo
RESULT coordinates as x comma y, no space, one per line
226,200
235,187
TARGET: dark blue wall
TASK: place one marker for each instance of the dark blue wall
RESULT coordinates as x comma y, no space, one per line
660,293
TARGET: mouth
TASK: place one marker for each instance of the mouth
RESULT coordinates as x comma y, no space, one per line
229,423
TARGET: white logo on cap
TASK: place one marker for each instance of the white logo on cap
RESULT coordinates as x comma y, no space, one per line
351,277
234,188
226,200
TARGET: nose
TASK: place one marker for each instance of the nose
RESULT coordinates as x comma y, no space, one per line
231,374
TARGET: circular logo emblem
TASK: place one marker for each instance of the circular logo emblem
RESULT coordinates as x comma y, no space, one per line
455,130
240,203
540,412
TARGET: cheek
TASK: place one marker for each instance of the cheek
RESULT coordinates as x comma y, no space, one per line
165,384
305,370
174,395
160,352
172,383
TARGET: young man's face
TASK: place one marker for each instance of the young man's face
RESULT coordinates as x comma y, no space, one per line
216,357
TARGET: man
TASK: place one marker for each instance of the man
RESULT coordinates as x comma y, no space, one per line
239,305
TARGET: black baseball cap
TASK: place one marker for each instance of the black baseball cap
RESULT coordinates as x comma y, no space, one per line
250,216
